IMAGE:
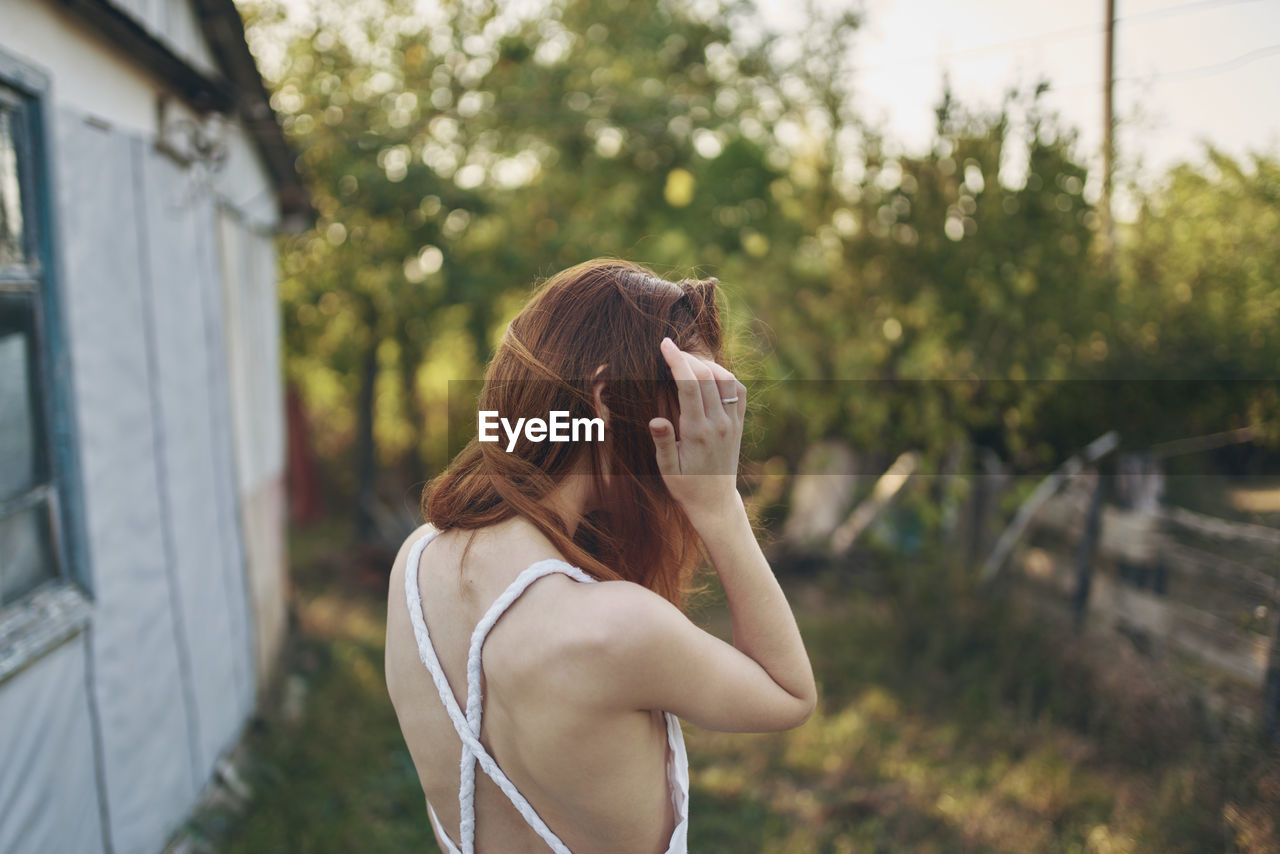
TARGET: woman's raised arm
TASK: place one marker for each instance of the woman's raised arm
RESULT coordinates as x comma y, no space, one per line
649,654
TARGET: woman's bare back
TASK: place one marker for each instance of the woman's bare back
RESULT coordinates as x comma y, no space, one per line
598,779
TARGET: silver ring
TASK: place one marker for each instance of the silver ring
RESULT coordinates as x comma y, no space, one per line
728,400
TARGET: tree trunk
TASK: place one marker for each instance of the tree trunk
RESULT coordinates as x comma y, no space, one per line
306,504
366,463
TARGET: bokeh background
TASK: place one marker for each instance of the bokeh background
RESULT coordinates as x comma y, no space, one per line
1013,437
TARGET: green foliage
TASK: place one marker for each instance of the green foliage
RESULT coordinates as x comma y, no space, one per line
892,301
449,174
934,290
1198,296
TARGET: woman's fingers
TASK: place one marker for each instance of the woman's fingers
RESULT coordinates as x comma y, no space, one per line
686,381
727,386
712,407
707,385
707,389
664,442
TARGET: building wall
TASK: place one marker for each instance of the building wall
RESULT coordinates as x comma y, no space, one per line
47,728
252,324
167,287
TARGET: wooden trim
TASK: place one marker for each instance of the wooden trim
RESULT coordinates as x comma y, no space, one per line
40,622
204,93
222,24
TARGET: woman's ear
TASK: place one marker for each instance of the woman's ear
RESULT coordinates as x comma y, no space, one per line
597,389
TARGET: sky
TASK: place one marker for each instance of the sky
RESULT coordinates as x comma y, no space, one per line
1187,71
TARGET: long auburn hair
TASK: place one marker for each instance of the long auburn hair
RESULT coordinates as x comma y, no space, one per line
608,312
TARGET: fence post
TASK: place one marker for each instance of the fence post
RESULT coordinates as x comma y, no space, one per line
988,485
1084,557
1271,684
1087,455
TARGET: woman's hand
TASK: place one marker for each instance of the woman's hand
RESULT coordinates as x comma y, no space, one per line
761,682
700,469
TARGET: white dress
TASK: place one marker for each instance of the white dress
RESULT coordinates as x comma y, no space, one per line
468,725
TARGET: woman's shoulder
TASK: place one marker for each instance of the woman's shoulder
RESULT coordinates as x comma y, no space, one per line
610,615
576,637
559,623
402,555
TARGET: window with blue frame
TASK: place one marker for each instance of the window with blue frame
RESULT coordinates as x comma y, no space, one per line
30,518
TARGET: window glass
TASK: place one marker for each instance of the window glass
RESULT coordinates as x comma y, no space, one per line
12,241
29,499
19,467
26,561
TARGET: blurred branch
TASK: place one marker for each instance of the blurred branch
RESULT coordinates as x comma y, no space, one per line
1091,453
1195,444
889,484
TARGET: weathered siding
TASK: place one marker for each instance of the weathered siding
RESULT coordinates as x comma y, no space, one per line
252,333
109,738
44,715
139,647
182,288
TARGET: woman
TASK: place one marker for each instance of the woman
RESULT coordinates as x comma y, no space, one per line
564,734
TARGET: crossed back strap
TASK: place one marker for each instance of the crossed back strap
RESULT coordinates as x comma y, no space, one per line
468,726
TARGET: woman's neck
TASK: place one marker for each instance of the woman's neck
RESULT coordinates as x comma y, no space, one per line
569,499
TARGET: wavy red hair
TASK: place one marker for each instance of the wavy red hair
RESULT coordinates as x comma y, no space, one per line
608,312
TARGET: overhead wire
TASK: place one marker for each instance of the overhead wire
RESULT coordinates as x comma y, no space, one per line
1185,73
1052,36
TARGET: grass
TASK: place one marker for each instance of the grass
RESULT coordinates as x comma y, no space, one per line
945,725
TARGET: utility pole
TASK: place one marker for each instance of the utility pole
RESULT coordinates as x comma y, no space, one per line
1108,121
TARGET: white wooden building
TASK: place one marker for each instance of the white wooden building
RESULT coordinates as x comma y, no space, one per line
142,560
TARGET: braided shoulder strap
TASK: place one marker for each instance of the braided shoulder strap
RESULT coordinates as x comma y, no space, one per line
468,725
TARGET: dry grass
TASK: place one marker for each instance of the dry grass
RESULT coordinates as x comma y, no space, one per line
960,734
